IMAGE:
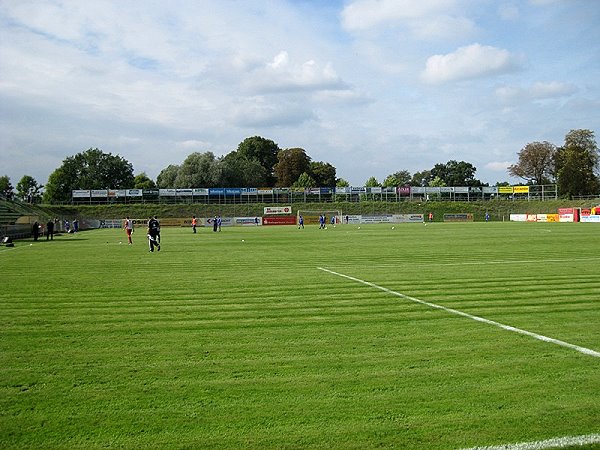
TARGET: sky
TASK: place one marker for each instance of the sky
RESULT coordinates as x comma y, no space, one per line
370,86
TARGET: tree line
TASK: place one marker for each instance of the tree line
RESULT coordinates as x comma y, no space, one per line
259,162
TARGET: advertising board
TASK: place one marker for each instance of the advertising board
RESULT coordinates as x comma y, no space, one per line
270,210
282,220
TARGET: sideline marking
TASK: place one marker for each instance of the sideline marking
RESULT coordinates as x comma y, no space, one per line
562,442
585,351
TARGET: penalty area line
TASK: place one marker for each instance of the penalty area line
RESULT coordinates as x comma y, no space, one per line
568,441
540,337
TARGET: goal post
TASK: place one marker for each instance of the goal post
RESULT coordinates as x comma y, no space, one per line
311,216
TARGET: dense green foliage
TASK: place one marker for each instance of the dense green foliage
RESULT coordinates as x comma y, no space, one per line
92,169
238,340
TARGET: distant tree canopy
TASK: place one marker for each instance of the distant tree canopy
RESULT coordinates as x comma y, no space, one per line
264,151
291,163
536,163
92,169
323,173
6,188
143,181
28,189
577,164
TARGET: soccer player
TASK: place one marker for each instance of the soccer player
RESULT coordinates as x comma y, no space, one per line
153,227
194,223
128,225
300,222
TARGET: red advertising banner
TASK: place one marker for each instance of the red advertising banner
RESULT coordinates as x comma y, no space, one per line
284,220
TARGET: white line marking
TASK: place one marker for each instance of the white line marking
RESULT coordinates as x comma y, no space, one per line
562,442
585,351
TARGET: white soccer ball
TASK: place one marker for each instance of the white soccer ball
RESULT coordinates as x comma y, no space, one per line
359,228
120,242
325,227
393,228
243,240
31,245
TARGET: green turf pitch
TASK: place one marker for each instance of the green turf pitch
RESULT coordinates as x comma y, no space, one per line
237,340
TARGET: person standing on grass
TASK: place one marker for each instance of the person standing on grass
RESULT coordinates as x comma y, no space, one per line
215,225
194,223
300,222
219,223
153,227
128,225
431,217
35,230
50,230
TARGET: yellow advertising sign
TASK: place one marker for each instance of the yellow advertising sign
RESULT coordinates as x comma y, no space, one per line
521,189
505,190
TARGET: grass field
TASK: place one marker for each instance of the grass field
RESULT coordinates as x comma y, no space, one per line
239,339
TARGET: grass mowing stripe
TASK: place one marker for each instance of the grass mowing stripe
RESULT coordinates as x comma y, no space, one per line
561,442
585,351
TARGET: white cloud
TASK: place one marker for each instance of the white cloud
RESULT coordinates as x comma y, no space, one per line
472,61
282,75
364,14
537,91
498,166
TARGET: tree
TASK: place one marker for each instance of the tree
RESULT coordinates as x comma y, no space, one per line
264,151
421,178
536,163
28,189
92,169
198,170
142,181
238,171
372,182
340,182
577,163
323,173
166,178
6,188
304,181
437,182
400,178
291,163
455,173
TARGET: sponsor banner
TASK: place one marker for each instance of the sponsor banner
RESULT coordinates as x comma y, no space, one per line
531,217
184,192
269,210
475,190
352,219
282,220
375,190
249,191
281,190
541,218
116,193
167,192
586,212
446,189
99,193
358,190
433,190
466,217
404,191
247,221
490,189
591,218
505,189
521,189
461,190
377,219
518,217
326,190
552,217
566,215
264,191
134,193
150,192
110,223
407,218
343,190
315,191
81,193
233,191
216,191
199,192
417,190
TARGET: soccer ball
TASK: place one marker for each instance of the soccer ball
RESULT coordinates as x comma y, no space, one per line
393,228
359,228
